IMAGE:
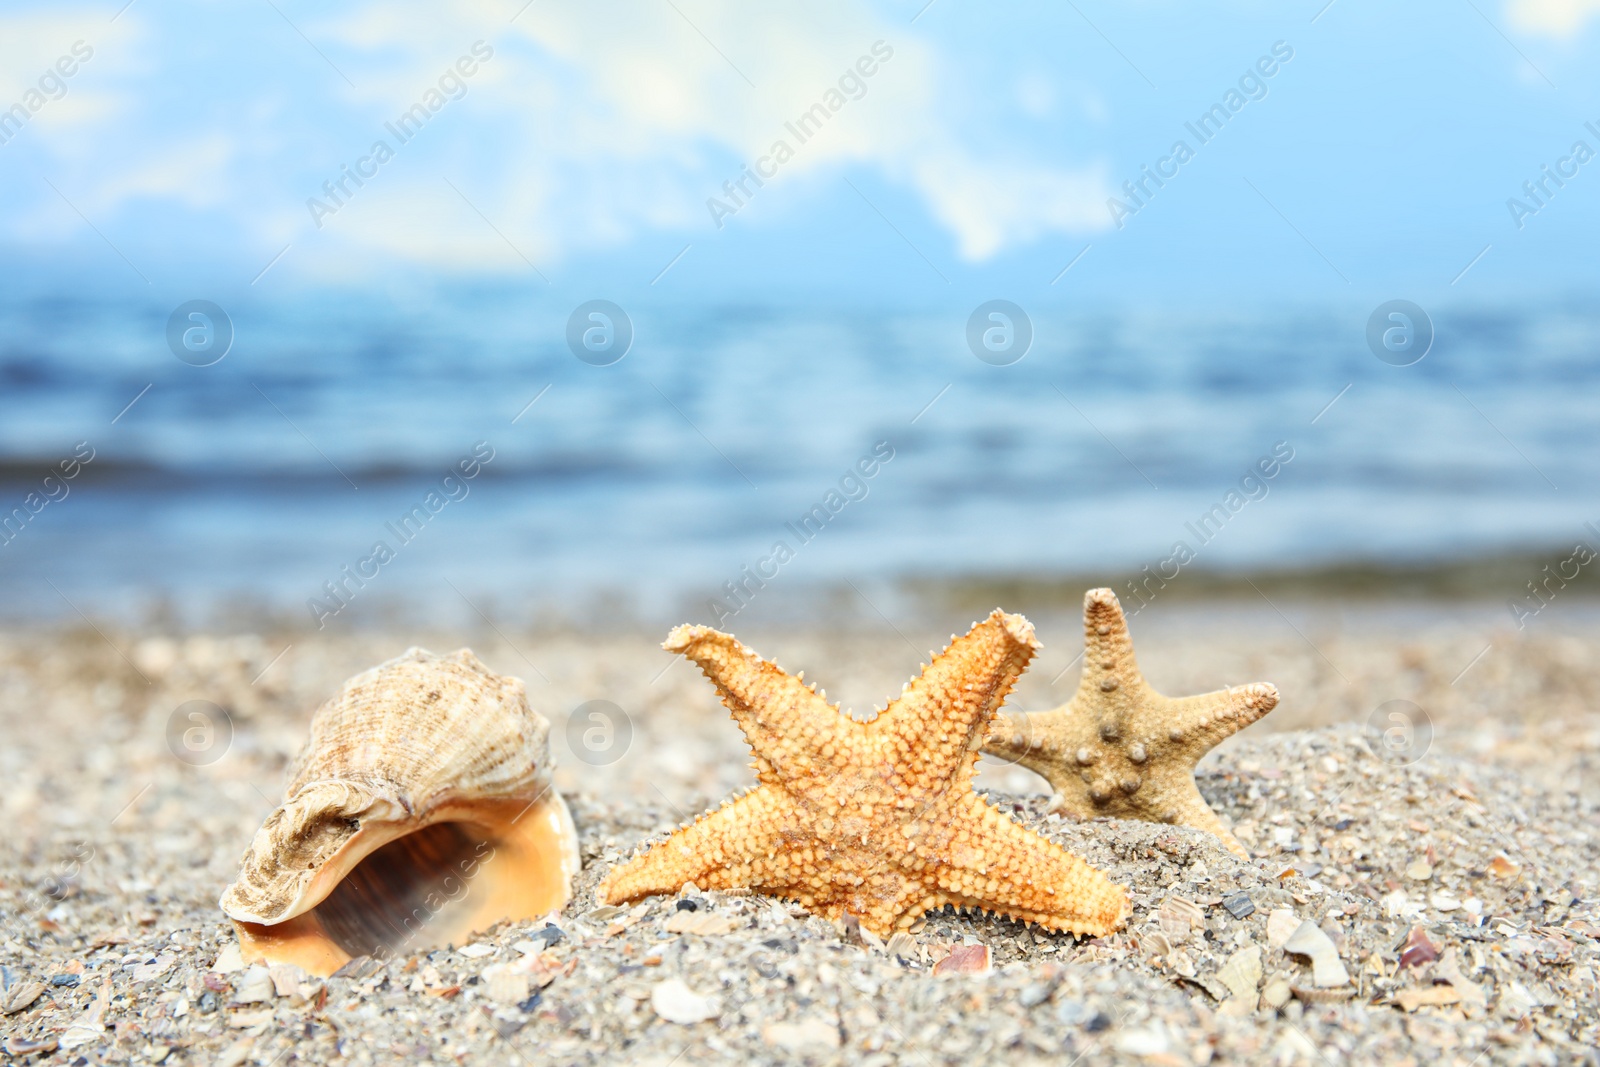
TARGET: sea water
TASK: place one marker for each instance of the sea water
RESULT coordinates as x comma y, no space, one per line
721,465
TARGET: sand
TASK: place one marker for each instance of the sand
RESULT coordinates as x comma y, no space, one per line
1478,846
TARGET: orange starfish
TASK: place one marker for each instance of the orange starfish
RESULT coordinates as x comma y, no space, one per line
878,819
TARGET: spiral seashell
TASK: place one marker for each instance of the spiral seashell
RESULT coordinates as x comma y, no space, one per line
420,811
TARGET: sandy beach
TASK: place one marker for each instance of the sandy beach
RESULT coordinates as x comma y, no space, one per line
1456,884
441,365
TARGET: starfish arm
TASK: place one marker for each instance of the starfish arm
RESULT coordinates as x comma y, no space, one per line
1033,739
787,724
1110,679
722,849
999,865
1201,817
1180,803
1195,725
934,728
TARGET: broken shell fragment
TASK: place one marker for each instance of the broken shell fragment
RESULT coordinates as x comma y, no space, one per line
965,959
1327,970
1242,973
420,810
1417,949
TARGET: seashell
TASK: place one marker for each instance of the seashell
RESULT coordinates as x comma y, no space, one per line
901,944
1418,949
677,1003
1322,996
1327,970
1178,916
965,959
420,810
1242,973
1281,926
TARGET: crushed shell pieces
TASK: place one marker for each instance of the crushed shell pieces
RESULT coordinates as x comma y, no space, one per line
1327,970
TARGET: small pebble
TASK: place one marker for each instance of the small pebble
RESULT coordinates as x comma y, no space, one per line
1239,905
1034,993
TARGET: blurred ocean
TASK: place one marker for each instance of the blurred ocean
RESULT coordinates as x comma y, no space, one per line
644,486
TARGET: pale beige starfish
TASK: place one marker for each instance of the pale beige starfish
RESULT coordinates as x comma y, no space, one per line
873,819
1120,748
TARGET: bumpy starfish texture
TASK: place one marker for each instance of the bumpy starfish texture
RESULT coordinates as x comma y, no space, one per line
873,819
1120,748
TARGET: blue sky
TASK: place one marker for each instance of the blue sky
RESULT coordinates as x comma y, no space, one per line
977,158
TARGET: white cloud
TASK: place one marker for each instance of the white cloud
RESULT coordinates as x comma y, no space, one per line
592,125
1555,18
30,44
35,52
992,207
665,98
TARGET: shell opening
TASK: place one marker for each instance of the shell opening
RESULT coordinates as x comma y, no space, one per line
429,888
390,898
